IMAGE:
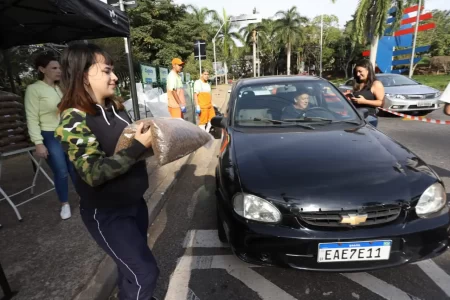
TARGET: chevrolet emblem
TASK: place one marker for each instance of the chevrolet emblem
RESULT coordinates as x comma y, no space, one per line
353,219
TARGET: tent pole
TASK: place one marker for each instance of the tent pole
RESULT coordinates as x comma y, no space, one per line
9,71
134,97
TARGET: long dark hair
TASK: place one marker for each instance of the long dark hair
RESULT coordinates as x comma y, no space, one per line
75,63
42,60
366,64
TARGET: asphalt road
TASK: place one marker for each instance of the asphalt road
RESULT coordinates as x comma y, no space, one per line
195,265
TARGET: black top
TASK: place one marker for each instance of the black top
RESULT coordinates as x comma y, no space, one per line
291,112
123,190
366,93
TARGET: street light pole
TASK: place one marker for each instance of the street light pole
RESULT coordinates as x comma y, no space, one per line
411,68
214,46
215,64
247,18
254,52
321,43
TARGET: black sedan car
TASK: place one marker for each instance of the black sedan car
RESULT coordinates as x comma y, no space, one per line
304,181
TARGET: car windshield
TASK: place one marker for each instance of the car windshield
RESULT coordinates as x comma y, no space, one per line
304,103
396,80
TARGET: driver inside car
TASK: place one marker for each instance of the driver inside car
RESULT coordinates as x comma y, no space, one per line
298,109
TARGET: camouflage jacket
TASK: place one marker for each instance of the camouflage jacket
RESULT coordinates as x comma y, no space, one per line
84,151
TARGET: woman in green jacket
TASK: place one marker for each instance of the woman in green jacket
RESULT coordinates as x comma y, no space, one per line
41,100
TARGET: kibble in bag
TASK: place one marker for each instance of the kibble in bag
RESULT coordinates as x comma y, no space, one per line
172,138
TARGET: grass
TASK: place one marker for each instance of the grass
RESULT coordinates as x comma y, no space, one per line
439,82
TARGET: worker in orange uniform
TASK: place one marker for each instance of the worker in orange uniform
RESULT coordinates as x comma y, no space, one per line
175,91
203,101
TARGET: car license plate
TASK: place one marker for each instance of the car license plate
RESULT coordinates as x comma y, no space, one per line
423,103
354,251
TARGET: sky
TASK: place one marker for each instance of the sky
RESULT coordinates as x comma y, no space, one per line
343,9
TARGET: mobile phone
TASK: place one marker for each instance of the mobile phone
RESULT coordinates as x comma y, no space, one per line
351,95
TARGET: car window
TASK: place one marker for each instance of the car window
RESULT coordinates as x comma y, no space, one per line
349,82
290,101
396,80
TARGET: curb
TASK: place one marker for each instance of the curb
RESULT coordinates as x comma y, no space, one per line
104,281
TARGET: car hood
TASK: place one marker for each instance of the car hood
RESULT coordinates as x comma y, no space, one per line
336,169
410,90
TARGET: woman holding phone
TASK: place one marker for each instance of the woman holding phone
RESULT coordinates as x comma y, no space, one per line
368,92
111,186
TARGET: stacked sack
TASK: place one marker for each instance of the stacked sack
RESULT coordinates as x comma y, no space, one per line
13,129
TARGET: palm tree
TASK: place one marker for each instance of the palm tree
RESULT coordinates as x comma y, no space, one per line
289,28
269,42
249,35
227,35
370,20
202,15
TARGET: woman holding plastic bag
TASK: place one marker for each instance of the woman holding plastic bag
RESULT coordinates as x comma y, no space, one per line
111,185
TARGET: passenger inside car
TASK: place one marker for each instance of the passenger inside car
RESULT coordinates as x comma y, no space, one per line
298,109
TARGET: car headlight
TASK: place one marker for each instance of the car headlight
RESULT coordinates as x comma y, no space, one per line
432,200
437,95
256,209
396,96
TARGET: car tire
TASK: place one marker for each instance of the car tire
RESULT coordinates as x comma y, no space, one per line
220,230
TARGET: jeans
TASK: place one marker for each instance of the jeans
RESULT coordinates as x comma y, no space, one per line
122,234
59,163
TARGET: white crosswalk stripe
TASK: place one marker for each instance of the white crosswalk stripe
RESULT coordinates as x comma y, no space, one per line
179,283
202,239
436,274
378,286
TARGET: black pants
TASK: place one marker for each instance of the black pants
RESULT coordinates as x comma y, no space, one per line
122,233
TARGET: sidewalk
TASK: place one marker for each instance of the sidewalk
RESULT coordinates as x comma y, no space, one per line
45,257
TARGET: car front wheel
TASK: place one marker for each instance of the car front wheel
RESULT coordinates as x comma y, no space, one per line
220,230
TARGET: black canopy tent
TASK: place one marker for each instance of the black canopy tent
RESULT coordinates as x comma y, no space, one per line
27,22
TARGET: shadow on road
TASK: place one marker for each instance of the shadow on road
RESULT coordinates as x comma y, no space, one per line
441,172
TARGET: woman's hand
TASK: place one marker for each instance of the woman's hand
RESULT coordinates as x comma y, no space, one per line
41,151
143,138
347,92
359,100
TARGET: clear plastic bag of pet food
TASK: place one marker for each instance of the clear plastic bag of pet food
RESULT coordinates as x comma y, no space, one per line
172,138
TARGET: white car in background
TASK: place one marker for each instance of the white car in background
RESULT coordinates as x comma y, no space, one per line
404,94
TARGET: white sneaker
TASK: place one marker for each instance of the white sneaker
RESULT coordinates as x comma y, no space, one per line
65,212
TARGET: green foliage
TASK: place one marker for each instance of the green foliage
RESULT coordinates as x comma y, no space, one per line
439,82
192,67
162,30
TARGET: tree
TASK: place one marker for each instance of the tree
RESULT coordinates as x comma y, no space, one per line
331,34
249,35
227,36
370,21
161,30
347,50
289,28
202,17
269,44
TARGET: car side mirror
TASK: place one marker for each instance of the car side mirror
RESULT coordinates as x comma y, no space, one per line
364,112
219,121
